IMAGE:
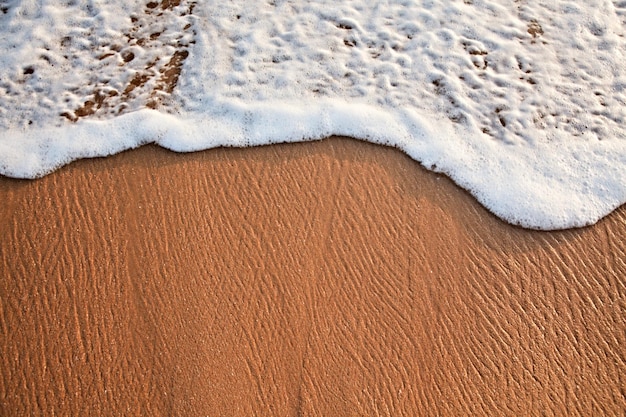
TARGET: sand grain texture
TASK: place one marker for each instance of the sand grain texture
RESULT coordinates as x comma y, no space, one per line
330,278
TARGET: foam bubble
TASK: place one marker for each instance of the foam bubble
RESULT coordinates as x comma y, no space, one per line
524,105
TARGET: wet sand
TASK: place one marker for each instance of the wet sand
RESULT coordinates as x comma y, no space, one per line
333,278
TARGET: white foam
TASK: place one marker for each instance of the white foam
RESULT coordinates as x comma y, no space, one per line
523,104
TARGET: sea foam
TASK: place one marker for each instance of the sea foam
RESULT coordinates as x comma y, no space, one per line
521,103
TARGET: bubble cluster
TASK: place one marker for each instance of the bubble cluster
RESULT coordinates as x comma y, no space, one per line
523,103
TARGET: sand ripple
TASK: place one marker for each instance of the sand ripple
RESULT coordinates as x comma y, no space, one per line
308,279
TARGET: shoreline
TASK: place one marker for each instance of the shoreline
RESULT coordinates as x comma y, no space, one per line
333,277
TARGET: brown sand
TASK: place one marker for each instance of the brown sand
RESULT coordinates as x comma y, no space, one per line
324,279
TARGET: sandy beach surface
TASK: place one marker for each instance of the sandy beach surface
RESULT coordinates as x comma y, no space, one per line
333,278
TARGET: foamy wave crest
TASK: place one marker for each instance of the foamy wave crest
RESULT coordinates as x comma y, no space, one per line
522,104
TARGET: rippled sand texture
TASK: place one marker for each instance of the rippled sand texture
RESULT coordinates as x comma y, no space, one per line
331,278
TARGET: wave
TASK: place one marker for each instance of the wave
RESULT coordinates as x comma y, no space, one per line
521,104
